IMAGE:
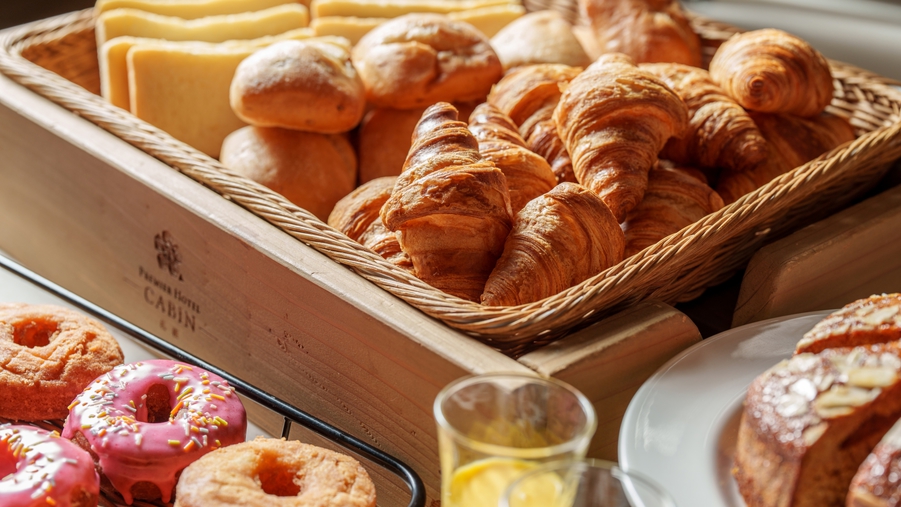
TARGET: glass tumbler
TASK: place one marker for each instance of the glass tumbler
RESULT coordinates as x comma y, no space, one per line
492,428
584,483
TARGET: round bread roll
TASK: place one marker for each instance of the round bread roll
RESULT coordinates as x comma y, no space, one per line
306,85
417,60
311,170
539,37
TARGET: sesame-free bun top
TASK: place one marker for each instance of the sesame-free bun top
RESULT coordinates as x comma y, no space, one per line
419,59
539,37
311,170
307,85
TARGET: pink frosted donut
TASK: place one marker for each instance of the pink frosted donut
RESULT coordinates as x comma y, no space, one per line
145,422
38,468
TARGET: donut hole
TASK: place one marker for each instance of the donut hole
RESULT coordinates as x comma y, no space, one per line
159,405
277,477
35,333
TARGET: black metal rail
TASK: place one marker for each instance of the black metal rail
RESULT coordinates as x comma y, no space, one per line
286,410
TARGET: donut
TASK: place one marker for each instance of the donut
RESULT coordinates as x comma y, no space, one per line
38,468
275,473
48,354
144,422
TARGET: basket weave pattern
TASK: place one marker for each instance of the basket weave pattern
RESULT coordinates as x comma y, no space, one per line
57,58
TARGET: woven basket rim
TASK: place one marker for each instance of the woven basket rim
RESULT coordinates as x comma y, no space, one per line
506,328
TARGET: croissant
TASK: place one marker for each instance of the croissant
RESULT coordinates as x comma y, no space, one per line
674,200
558,240
449,208
614,118
646,30
528,175
528,95
791,141
357,216
720,133
772,71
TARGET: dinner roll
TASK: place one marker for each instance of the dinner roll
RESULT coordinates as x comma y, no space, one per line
311,170
539,37
417,60
306,85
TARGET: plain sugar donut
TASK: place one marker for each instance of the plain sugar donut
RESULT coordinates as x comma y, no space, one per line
48,354
38,468
145,422
269,472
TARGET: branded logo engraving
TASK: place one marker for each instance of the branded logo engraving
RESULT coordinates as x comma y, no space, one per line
178,310
167,253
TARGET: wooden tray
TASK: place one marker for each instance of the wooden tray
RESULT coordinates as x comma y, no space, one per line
120,228
675,269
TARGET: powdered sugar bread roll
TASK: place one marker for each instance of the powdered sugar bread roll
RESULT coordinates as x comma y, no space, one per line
307,85
418,60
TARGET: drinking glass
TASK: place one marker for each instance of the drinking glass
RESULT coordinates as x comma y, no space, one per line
494,427
584,483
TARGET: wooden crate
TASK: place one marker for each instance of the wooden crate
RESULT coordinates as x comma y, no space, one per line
848,256
127,232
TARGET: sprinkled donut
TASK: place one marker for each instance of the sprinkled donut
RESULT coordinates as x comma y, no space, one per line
145,422
48,354
275,473
38,468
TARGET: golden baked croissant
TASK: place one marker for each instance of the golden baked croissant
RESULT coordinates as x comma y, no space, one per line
674,200
528,95
450,209
791,141
646,30
614,118
558,240
357,216
772,71
528,175
720,133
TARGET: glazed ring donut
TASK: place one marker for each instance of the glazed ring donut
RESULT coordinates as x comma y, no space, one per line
48,354
38,468
275,473
145,422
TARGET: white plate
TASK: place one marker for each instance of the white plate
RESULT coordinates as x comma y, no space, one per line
681,426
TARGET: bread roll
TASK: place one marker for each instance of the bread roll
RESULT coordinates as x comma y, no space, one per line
311,170
419,59
646,30
302,85
539,37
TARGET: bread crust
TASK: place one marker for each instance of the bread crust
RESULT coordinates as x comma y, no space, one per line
417,60
307,85
539,37
558,240
309,169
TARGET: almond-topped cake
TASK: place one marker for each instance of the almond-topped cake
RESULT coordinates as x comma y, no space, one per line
810,421
876,319
877,481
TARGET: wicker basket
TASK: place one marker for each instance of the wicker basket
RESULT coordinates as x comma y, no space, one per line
57,58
